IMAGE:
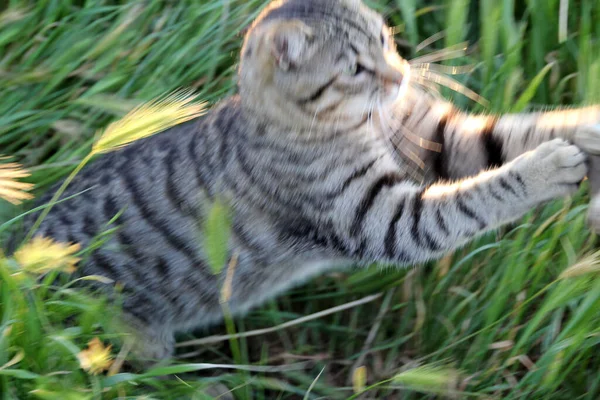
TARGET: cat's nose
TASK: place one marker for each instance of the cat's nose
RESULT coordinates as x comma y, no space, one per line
392,70
388,73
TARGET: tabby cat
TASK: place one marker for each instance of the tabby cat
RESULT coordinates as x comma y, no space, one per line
318,156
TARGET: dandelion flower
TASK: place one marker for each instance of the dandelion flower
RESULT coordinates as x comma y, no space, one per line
148,119
12,190
42,255
96,358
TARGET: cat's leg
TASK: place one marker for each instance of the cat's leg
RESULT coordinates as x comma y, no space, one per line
472,143
391,221
150,343
501,139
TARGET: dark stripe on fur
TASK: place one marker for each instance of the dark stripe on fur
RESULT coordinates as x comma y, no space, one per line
110,207
172,192
193,148
128,246
384,181
417,209
390,237
431,243
493,145
420,235
152,218
359,125
63,216
318,93
228,122
506,186
442,222
527,136
104,265
89,226
440,163
466,210
357,174
517,177
495,194
245,238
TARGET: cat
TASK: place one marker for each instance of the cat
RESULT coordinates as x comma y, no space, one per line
330,155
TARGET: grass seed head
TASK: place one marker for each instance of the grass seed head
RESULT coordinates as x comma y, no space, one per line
149,119
589,264
11,189
429,378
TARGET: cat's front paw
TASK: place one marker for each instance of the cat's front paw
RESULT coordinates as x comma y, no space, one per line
555,169
587,137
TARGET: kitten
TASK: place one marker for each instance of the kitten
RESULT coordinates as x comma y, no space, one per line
307,157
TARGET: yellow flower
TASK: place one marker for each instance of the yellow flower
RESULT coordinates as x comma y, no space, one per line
11,190
148,119
359,379
42,255
96,358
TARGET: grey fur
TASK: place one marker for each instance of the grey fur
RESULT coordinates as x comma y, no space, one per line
303,156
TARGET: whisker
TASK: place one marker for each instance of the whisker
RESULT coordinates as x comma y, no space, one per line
454,85
422,143
403,43
449,53
414,157
430,40
394,140
372,130
368,107
445,69
312,124
405,82
427,85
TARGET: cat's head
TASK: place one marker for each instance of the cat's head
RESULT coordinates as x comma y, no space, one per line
327,62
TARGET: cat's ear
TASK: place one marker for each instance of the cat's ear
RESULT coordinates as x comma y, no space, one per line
289,42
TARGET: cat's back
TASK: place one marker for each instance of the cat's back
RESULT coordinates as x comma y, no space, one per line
155,191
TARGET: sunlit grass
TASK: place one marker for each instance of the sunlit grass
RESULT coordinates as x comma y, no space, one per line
514,315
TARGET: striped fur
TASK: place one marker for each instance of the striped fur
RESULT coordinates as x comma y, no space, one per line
318,156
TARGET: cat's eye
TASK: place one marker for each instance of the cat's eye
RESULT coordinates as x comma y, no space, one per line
355,69
359,69
385,40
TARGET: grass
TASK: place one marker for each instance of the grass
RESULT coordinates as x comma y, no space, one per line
498,319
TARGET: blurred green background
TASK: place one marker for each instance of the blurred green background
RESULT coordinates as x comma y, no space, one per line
495,320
